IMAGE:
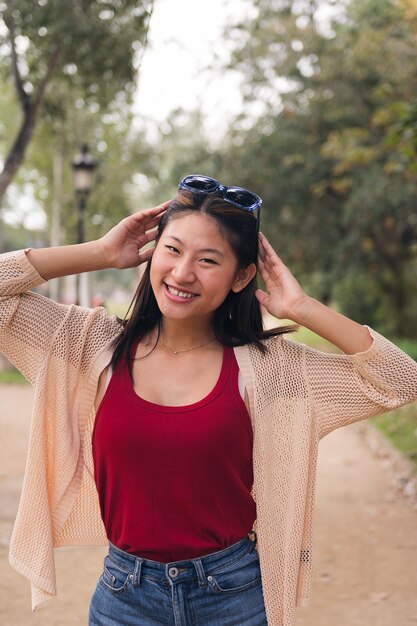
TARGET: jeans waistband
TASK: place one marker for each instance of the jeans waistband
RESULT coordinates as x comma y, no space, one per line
177,571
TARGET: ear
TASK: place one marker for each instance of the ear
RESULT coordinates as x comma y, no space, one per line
244,276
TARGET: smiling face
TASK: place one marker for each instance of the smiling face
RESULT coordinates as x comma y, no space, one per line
193,269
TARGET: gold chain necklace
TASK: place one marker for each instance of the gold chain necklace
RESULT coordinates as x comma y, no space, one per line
187,349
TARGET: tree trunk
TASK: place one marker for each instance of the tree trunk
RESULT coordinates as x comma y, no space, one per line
17,153
13,162
30,108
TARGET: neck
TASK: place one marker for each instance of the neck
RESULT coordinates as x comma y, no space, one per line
181,334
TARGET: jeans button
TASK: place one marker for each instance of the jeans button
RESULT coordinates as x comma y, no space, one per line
173,572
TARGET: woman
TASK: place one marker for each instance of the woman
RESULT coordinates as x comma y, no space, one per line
198,463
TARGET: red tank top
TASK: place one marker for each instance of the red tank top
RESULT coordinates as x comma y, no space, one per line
174,483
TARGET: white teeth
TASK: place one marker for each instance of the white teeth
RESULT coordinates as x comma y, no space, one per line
182,294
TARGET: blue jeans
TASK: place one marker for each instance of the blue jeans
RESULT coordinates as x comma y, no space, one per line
220,589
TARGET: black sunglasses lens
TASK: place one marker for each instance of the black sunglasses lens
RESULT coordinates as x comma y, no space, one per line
200,183
241,197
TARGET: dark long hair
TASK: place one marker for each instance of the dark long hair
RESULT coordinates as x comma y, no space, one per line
238,320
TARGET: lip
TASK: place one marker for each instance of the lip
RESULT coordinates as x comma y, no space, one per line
175,298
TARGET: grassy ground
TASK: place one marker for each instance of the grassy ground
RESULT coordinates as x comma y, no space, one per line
117,308
400,427
12,376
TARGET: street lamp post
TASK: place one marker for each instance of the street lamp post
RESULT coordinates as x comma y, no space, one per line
83,167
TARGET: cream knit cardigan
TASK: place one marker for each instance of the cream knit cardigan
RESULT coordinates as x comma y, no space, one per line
297,395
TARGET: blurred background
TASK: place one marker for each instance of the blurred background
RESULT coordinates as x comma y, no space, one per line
312,104
106,104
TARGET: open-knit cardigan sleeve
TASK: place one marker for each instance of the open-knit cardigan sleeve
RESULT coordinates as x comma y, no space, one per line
348,388
34,328
57,348
25,336
345,388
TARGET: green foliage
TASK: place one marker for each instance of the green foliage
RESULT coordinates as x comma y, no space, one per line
178,147
400,427
110,140
19,237
334,155
376,14
409,346
9,121
97,41
12,376
88,100
360,299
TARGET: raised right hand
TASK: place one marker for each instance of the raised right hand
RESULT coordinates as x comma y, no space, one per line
122,244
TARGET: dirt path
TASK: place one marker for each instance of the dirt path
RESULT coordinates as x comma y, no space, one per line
365,543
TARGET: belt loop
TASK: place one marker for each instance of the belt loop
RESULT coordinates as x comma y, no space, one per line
202,580
137,571
255,537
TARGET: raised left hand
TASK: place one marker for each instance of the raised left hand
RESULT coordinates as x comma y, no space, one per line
121,246
284,297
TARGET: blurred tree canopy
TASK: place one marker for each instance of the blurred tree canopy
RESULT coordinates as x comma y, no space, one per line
334,152
327,137
84,51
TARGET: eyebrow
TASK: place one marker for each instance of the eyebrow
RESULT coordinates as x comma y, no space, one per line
210,250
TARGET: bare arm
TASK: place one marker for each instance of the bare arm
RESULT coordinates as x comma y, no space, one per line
65,260
119,248
341,331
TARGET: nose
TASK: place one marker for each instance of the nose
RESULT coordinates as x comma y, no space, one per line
183,271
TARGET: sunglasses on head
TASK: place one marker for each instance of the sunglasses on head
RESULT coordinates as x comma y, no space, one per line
239,197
